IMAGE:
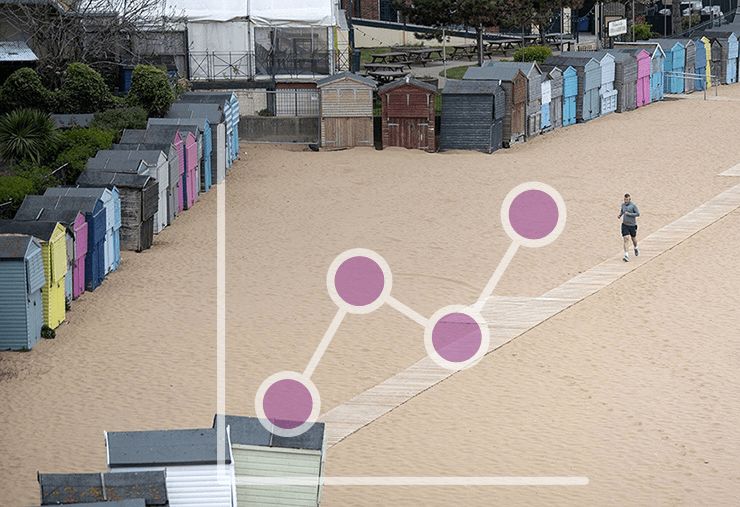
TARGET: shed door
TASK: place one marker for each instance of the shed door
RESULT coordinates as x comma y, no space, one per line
347,132
409,132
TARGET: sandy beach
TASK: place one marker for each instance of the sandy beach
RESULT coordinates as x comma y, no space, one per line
635,387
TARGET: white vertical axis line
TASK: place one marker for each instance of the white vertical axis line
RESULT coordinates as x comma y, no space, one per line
221,326
325,341
408,312
496,277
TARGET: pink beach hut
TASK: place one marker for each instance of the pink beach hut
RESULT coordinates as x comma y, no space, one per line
643,73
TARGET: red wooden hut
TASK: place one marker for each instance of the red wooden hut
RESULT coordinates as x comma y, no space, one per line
408,114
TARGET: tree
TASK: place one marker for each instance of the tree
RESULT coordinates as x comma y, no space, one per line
676,18
25,134
150,89
100,33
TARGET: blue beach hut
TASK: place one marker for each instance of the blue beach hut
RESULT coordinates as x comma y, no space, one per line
673,64
588,73
700,83
230,103
21,279
217,121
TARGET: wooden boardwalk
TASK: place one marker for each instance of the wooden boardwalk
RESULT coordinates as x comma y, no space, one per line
510,317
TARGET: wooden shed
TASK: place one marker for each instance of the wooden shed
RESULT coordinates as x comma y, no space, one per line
204,139
673,64
230,104
625,80
53,239
729,54
546,94
346,105
217,122
656,65
188,459
168,213
112,202
139,200
155,165
260,453
588,73
149,488
702,67
555,84
95,216
408,114
472,115
534,93
514,83
35,210
607,92
21,280
642,85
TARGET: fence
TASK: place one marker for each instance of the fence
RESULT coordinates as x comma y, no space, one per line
280,116
214,65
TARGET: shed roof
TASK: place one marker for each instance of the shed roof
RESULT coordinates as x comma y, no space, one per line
214,112
250,431
525,67
40,230
72,120
197,120
34,207
14,246
164,448
500,73
16,51
112,179
470,87
650,47
97,193
565,61
144,488
407,80
345,75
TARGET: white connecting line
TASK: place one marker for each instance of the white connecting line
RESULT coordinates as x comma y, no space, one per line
412,481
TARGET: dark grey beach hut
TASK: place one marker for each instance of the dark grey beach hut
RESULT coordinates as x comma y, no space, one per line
203,140
217,120
533,74
472,116
144,488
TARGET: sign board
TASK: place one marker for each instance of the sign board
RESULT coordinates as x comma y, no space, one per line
617,27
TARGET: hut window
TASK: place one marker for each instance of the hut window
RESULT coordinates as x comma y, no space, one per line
427,99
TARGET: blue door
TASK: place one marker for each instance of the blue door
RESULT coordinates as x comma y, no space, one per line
545,115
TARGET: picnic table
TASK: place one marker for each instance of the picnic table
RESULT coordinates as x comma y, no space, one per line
464,50
424,55
384,66
392,57
386,76
502,45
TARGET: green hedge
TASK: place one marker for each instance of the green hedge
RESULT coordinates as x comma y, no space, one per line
14,188
150,89
83,91
23,89
78,145
532,54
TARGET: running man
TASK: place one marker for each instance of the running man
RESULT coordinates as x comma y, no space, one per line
628,214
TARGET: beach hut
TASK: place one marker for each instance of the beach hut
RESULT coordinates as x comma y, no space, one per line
112,202
144,488
94,210
729,53
217,122
570,94
553,76
657,55
75,222
642,85
258,452
533,74
588,80
607,92
53,239
673,64
139,198
182,138
155,165
472,116
188,459
21,279
203,142
346,110
689,63
625,80
546,94
230,104
167,213
514,83
408,114
702,67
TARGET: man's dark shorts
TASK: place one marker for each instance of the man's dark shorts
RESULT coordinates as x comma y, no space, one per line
629,230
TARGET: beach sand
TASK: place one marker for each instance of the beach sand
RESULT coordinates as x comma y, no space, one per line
635,387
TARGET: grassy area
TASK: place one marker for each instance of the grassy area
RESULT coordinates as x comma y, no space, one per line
456,72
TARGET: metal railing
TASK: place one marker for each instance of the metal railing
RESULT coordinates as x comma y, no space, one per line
692,75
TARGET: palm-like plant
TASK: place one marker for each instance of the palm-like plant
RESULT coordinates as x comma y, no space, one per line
24,134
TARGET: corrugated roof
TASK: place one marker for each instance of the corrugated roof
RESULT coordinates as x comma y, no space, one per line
97,193
14,246
164,448
112,179
250,431
345,75
40,230
470,87
144,488
16,51
35,206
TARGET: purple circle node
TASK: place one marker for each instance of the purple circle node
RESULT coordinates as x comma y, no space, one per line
359,281
287,404
533,214
456,337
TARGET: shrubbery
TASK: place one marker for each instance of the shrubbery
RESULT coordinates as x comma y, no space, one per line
14,188
532,54
642,31
116,120
23,89
150,89
83,91
78,145
25,135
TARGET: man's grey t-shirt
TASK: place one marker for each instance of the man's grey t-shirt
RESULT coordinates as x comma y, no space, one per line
630,213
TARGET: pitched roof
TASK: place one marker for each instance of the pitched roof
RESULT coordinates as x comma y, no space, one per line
14,246
112,179
345,75
16,51
164,448
40,230
250,431
34,207
149,487
72,120
470,87
407,80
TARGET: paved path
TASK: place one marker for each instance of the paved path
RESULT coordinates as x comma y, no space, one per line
510,317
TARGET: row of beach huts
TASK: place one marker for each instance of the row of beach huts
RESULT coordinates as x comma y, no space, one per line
502,103
207,467
66,241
